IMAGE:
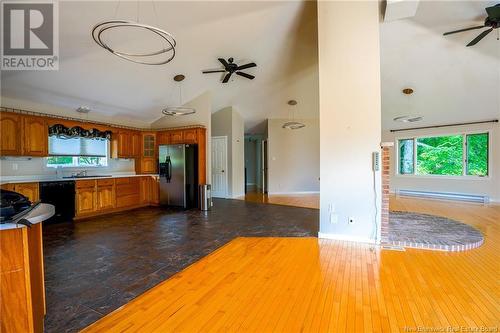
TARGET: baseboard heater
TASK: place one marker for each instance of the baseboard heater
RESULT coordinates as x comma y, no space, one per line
445,196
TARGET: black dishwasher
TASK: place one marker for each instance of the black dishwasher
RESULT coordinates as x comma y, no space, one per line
61,194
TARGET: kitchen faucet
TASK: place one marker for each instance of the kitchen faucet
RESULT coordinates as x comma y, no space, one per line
82,173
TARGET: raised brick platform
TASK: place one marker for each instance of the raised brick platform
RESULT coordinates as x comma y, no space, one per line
431,232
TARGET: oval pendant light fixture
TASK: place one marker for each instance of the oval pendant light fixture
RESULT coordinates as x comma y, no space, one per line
163,54
178,110
292,125
408,118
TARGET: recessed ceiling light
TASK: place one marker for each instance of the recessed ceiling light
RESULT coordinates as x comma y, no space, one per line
83,109
408,119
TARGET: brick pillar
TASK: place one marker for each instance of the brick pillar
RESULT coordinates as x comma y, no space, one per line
384,224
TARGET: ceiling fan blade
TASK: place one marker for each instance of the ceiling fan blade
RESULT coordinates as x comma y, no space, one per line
479,37
462,30
248,76
214,71
226,78
249,65
223,62
493,12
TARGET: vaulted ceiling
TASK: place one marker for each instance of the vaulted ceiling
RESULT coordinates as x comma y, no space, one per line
281,37
452,83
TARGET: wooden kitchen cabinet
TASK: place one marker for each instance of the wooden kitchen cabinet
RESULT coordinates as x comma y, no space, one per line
85,197
106,199
147,165
135,144
163,138
121,144
10,134
127,192
177,136
147,162
22,291
201,134
190,136
30,190
36,136
155,190
145,189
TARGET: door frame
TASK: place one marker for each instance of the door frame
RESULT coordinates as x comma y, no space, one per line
265,165
224,137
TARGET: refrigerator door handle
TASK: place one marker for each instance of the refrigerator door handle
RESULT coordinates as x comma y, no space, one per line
169,169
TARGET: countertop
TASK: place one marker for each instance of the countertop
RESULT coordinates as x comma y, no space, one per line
53,178
38,214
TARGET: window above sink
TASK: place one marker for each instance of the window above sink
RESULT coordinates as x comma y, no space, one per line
77,152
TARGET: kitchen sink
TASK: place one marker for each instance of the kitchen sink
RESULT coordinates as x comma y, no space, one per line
88,176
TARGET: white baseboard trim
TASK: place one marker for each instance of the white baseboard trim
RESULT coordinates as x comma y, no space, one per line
293,193
237,196
348,238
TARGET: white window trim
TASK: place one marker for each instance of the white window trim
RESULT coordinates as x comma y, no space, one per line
464,175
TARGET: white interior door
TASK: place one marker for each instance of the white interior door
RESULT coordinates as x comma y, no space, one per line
219,166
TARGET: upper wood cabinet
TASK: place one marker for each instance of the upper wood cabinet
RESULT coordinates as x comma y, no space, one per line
190,136
135,144
10,135
177,136
163,137
23,135
36,136
148,145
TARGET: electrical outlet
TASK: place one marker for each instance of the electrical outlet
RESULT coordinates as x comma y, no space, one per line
350,220
15,166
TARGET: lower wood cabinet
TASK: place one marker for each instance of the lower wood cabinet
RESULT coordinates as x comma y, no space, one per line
155,190
85,201
29,190
106,197
22,294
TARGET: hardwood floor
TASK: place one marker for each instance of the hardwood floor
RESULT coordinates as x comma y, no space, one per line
299,200
310,285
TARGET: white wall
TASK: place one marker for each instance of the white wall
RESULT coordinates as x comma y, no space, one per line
293,157
228,122
238,155
489,186
350,118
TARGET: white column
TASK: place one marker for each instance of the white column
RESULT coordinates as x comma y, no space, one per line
350,118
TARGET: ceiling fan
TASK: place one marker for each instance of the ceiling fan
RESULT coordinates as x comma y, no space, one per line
230,67
492,21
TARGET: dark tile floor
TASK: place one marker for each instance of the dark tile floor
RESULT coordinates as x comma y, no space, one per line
94,266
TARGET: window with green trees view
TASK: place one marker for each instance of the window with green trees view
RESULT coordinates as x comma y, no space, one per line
451,155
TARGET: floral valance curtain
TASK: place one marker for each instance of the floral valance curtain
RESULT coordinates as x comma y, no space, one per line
62,131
